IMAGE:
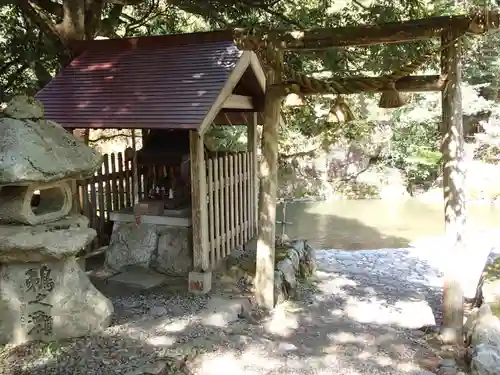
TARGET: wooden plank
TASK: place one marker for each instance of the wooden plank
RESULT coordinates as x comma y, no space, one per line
101,207
241,221
135,176
232,183
223,210
128,198
238,102
120,180
107,186
199,202
85,197
246,195
217,208
93,204
227,205
252,147
454,191
237,199
211,213
113,183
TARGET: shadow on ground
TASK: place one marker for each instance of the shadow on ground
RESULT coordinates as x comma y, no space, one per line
344,321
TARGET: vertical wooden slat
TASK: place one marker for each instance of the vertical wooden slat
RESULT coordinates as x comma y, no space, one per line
252,147
85,197
232,203
217,208
107,185
199,202
121,181
227,205
245,197
135,179
127,177
100,203
249,197
93,203
241,221
113,183
237,169
211,223
223,207
235,200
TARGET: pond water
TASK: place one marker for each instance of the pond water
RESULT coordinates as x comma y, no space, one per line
374,224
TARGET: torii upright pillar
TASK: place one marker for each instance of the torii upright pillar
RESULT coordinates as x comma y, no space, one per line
454,190
264,278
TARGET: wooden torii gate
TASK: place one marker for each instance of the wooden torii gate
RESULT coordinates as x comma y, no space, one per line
281,81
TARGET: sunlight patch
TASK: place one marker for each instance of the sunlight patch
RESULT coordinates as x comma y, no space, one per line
406,314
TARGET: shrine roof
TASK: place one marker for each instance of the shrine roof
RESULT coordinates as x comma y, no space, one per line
169,82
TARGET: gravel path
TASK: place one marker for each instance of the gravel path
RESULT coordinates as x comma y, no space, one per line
358,317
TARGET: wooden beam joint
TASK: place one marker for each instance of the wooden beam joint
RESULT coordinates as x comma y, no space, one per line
238,102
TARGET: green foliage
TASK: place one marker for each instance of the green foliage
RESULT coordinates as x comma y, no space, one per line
226,138
30,56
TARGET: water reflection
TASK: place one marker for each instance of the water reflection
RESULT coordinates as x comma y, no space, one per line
373,224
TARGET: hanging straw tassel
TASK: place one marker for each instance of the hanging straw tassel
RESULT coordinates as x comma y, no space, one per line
340,111
392,98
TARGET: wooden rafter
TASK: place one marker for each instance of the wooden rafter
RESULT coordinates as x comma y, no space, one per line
395,32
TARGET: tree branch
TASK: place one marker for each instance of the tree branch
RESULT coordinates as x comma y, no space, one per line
49,6
109,137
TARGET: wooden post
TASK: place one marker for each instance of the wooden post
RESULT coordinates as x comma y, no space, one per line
135,177
201,260
264,278
454,194
254,173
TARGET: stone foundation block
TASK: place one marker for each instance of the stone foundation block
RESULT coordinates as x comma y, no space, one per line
174,255
200,282
49,301
131,244
15,203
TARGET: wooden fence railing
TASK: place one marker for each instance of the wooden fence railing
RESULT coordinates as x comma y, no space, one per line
110,189
232,206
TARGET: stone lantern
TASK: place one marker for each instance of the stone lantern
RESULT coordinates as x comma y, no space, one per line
44,294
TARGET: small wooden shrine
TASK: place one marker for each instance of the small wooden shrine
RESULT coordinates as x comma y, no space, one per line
172,89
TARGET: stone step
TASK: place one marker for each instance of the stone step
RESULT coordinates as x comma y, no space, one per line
138,277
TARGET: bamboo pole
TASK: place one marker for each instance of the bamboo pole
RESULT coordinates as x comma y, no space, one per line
454,193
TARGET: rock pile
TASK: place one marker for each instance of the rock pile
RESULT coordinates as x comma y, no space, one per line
482,331
294,261
44,294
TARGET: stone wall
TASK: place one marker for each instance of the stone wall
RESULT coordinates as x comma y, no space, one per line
295,261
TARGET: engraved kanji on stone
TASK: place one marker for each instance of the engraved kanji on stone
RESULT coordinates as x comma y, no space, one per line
42,323
39,282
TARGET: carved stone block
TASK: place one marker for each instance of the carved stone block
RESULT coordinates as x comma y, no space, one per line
49,301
